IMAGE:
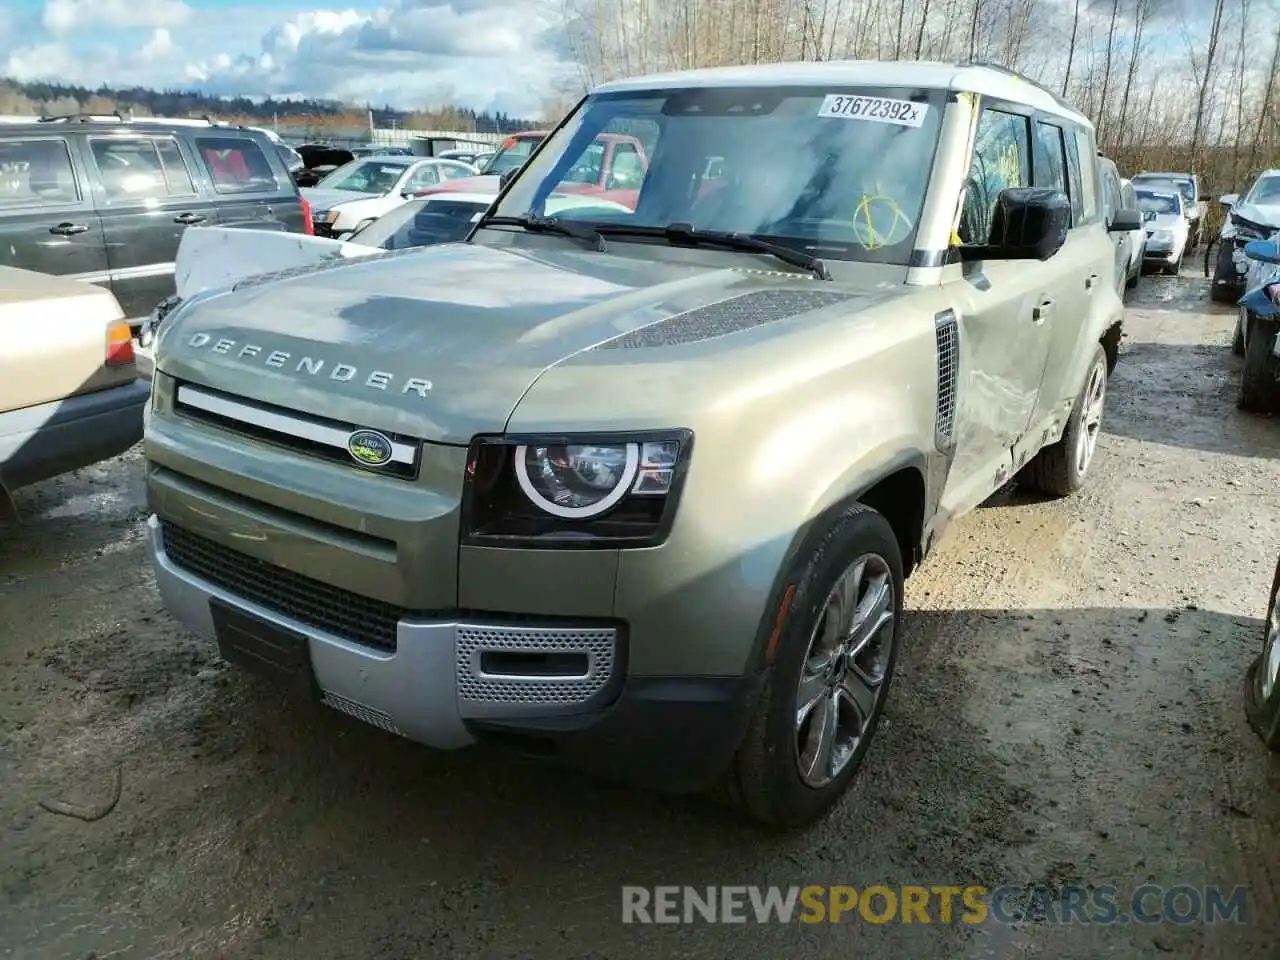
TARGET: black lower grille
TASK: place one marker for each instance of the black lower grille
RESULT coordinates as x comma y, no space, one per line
336,611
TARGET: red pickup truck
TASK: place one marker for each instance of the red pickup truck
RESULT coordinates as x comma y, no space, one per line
613,166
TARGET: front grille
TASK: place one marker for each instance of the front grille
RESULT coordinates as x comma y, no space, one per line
304,433
331,609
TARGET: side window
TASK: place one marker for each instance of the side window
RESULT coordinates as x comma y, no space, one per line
450,172
1112,200
1001,159
627,170
424,176
1051,157
236,165
1079,216
36,172
135,168
1088,173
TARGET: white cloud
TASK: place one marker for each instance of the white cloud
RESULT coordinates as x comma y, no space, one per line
484,54
65,16
160,45
487,54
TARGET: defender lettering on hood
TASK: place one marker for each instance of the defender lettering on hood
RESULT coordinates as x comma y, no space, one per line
313,366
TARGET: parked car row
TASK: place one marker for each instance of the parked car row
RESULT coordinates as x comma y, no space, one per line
107,201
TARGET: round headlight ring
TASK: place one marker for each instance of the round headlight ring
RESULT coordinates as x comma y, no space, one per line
630,468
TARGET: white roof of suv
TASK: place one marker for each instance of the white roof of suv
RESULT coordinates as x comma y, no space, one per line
991,81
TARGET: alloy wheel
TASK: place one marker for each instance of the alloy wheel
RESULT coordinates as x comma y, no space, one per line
1095,397
842,680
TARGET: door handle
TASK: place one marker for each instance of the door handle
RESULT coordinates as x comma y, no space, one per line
188,218
1090,280
1042,312
68,229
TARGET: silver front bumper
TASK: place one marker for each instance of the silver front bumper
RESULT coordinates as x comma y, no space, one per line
435,680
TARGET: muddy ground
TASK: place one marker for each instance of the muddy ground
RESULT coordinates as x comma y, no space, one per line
1068,710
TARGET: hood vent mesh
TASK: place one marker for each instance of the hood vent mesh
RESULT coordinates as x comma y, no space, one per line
728,316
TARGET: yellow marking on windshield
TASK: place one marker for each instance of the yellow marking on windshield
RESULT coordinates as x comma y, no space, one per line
863,214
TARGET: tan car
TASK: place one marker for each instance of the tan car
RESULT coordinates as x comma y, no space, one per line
638,488
69,389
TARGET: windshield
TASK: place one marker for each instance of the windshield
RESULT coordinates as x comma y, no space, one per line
436,219
1158,203
364,176
848,185
511,154
291,157
1183,185
1265,191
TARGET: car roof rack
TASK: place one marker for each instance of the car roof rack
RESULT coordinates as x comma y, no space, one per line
84,118
118,117
1000,68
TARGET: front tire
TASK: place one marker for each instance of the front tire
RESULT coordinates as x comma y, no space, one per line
1262,682
1258,393
1060,470
830,676
1237,336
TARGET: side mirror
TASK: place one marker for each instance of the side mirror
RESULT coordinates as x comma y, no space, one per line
1030,223
408,194
1229,199
1264,251
1125,221
506,177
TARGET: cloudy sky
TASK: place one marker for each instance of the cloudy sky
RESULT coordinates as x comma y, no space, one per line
488,54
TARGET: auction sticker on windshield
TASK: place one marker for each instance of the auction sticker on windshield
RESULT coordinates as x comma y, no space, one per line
880,109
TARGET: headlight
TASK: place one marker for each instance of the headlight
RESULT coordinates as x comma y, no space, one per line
579,481
577,490
1228,230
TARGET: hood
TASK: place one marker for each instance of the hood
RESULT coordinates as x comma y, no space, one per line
1165,221
439,342
488,184
213,257
328,199
1263,214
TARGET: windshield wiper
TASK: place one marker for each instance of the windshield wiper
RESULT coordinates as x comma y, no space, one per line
534,224
686,233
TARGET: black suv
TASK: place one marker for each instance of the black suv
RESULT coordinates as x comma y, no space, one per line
106,199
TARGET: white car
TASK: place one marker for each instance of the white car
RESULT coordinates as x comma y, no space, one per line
364,189
1166,225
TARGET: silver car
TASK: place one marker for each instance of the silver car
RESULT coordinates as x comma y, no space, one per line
1166,227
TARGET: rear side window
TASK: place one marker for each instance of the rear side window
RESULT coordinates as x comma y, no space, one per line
236,165
36,172
1082,165
1051,157
136,168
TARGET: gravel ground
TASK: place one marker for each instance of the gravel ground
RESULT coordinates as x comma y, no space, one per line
1068,710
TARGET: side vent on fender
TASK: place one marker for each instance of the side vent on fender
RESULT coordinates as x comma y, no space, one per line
947,329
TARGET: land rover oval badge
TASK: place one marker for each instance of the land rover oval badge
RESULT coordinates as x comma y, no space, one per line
370,448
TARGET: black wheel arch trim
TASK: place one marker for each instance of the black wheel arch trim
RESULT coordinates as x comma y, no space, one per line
815,528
